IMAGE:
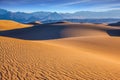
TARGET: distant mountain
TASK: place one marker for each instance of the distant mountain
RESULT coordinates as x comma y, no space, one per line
106,14
86,16
90,14
4,14
22,17
2,11
53,16
41,14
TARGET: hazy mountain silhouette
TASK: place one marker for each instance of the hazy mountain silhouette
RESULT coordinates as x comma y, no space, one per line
53,16
82,16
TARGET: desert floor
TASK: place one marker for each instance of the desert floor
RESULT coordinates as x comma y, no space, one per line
59,51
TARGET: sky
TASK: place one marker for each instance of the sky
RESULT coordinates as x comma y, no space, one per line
59,5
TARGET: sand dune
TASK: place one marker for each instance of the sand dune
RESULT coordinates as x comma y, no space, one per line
56,31
32,60
115,32
115,24
35,23
9,25
61,22
96,44
60,51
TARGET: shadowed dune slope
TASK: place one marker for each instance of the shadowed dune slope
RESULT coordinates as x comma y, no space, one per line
115,32
9,25
115,24
47,60
56,31
61,22
35,23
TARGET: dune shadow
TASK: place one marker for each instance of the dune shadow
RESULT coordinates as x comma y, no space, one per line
44,32
39,32
114,24
114,32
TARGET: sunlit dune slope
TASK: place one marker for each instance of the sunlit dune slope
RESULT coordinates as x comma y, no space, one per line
60,30
105,46
25,60
85,29
9,25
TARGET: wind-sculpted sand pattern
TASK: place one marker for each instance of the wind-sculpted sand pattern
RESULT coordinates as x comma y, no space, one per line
27,60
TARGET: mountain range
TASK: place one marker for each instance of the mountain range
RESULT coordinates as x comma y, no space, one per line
47,16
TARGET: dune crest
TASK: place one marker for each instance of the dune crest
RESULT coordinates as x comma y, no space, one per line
35,23
58,31
10,25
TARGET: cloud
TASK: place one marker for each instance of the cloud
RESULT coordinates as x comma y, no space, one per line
115,5
60,5
106,7
73,3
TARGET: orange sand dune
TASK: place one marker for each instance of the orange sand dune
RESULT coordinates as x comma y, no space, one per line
106,46
8,25
58,31
35,23
25,60
62,22
75,52
85,29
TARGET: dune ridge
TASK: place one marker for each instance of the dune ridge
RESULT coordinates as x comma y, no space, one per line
57,31
9,25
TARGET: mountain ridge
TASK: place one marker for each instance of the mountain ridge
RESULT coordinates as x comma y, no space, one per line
44,16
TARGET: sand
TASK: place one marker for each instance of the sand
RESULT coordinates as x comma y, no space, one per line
59,31
35,23
83,57
9,25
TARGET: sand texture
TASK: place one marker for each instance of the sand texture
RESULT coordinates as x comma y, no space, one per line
80,52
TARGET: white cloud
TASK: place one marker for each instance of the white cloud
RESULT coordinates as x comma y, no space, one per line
105,7
110,6
75,2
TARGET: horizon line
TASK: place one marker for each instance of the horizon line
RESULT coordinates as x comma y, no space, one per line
59,12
